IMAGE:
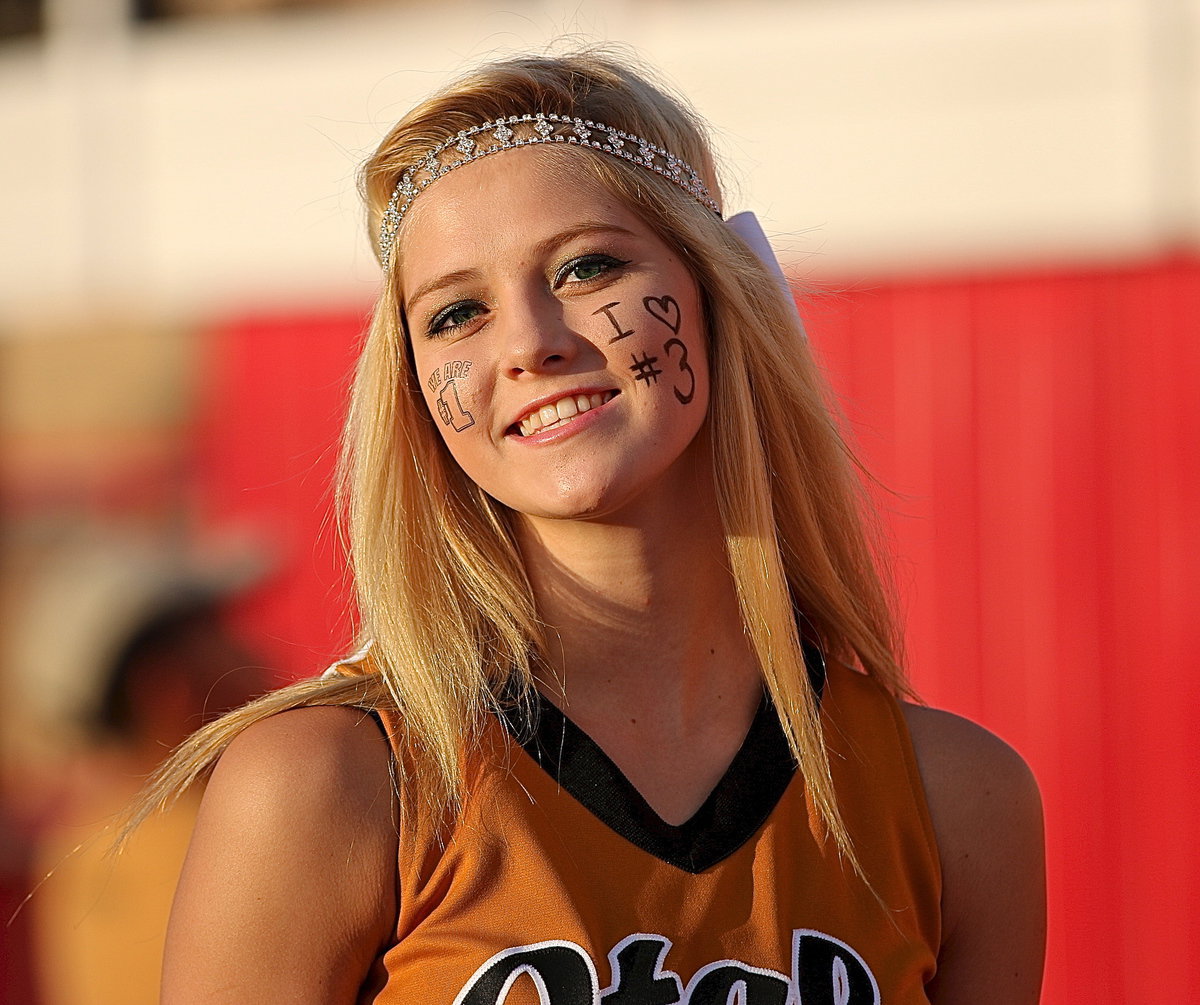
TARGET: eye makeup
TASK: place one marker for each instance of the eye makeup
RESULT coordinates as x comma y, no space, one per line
599,264
587,269
454,317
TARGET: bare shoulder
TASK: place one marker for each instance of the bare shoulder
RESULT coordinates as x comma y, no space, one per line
318,775
954,751
318,752
289,884
987,815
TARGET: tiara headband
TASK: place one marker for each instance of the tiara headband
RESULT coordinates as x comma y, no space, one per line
526,130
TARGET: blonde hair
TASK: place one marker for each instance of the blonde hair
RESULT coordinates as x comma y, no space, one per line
442,592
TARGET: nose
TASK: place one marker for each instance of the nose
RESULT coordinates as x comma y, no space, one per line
536,337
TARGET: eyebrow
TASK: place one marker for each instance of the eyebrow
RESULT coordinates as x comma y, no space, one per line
540,250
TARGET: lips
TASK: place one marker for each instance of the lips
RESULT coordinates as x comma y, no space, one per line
560,412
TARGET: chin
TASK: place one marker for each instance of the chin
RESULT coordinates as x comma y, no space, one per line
617,500
576,503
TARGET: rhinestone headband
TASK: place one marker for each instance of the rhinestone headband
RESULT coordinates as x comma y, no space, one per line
526,130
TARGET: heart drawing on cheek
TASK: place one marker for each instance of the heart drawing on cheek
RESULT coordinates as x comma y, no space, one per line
664,309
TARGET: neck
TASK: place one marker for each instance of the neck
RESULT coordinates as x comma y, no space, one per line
641,614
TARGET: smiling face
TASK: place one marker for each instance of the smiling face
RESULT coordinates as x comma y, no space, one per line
558,341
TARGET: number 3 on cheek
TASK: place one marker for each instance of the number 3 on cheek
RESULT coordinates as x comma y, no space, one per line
682,397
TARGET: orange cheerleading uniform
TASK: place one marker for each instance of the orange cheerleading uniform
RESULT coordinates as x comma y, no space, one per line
558,885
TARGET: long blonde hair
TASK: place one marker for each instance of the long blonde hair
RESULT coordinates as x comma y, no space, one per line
442,592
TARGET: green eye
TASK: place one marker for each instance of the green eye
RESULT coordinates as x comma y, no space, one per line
589,267
455,316
461,315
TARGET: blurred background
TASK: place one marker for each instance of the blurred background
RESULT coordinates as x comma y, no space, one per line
1000,199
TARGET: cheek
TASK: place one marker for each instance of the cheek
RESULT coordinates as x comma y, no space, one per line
667,358
447,388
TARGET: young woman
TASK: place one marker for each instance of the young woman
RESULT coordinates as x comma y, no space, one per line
631,723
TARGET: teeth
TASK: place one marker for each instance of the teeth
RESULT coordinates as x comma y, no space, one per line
560,412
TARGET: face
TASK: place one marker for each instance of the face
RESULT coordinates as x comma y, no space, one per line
558,341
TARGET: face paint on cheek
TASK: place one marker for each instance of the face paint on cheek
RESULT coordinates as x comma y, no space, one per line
644,368
607,310
684,397
665,309
443,381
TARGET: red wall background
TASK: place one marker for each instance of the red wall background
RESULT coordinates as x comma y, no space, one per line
1041,432
1036,433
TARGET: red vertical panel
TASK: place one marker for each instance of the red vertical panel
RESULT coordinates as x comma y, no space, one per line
1151,428
1179,502
1177,373
1124,317
1041,431
1083,855
937,387
275,400
905,378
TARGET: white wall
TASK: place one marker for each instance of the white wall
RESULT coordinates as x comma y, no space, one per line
188,168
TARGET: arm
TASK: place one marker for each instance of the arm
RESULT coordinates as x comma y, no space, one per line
987,815
289,887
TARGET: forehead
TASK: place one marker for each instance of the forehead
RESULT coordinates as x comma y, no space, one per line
498,203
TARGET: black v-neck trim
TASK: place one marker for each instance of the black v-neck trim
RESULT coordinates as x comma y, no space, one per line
752,785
